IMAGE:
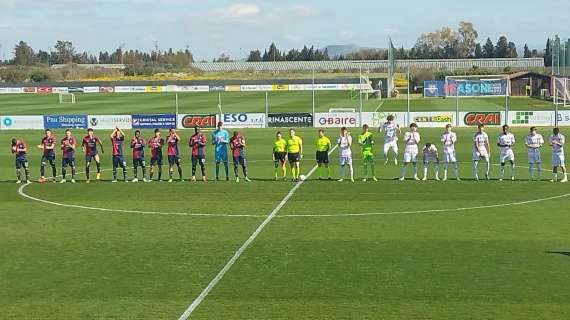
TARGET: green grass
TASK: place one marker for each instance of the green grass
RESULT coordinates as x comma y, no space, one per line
128,103
70,263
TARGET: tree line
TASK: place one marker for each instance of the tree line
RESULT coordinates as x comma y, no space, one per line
444,43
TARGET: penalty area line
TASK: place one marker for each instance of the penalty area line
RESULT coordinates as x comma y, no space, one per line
186,314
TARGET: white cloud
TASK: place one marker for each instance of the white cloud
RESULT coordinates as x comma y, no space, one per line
239,11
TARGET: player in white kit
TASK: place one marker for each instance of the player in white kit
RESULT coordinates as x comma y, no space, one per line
411,140
533,143
449,138
345,153
557,141
505,141
481,151
430,155
391,131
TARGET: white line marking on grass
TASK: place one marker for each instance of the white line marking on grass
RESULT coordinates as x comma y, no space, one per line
23,194
379,106
520,203
243,247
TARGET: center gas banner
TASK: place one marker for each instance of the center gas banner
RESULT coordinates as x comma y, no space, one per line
432,119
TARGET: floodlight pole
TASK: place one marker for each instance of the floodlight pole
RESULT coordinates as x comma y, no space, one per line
507,103
177,105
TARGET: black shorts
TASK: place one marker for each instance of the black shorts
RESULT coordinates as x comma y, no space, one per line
293,157
322,157
68,162
156,161
139,162
199,159
279,156
172,160
239,160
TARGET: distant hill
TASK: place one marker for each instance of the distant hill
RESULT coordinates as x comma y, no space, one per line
343,49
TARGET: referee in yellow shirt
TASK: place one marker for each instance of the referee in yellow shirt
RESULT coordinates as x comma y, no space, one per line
323,146
294,153
279,155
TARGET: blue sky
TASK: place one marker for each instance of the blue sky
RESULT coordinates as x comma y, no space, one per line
234,27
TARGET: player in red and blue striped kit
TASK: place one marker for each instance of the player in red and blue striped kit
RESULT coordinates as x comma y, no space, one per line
198,143
47,146
237,144
117,140
68,144
138,144
89,146
173,153
155,144
20,149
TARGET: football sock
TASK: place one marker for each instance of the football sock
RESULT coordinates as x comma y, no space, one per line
98,164
373,169
475,169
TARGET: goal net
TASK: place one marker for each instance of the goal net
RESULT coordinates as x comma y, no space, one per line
561,91
477,86
66,98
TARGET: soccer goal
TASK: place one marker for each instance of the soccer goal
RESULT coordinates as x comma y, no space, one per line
66,98
561,91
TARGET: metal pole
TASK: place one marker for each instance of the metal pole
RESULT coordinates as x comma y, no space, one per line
507,104
408,98
266,108
360,82
177,106
313,92
220,104
456,106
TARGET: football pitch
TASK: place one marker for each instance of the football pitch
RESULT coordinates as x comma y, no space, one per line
294,101
309,250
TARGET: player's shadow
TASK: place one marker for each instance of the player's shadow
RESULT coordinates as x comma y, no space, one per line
564,253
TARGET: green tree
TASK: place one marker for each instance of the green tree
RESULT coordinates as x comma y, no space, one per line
512,50
502,47
64,52
478,54
23,54
254,56
548,53
527,52
489,49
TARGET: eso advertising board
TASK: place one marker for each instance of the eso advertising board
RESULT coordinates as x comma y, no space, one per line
243,120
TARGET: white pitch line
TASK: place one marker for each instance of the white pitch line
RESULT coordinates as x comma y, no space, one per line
23,194
243,247
520,203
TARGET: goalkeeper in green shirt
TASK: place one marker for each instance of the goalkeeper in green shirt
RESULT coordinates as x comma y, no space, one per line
366,142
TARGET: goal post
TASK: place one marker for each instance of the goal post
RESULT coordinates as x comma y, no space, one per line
561,91
65,98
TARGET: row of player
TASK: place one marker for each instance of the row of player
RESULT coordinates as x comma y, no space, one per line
290,151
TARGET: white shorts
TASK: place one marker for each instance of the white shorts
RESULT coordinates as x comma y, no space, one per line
345,160
410,155
449,157
507,155
558,159
391,145
534,157
480,155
